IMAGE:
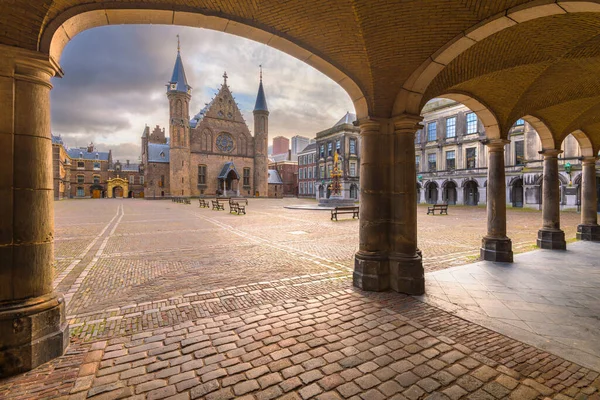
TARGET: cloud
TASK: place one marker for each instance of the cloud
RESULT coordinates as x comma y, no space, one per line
115,80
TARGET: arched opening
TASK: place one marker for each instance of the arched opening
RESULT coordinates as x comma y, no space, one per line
329,190
117,192
96,191
449,193
471,193
353,192
431,193
418,193
321,191
516,192
130,194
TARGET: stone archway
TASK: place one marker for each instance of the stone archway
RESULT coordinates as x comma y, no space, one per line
121,185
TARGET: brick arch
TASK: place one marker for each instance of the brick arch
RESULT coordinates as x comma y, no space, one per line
585,144
484,114
55,36
411,96
543,132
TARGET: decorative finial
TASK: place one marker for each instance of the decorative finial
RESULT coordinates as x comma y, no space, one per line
178,45
260,66
225,78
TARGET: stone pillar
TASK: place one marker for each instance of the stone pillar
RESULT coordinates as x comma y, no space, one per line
388,255
371,268
589,228
33,329
406,264
496,246
551,237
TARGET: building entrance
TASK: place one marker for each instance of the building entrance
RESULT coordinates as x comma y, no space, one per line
471,193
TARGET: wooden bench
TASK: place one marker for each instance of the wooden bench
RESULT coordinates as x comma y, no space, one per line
218,205
238,206
344,210
203,203
442,208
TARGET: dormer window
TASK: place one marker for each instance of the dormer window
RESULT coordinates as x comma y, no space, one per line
80,155
173,86
162,154
97,156
220,114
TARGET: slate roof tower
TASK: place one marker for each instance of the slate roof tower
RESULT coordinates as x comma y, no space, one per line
261,142
179,94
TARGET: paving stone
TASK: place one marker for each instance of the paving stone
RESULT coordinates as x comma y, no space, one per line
310,391
245,387
204,389
348,389
290,384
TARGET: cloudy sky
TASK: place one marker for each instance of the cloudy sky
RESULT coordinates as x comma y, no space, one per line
115,80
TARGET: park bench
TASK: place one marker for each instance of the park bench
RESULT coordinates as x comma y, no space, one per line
187,200
203,203
238,206
442,208
344,210
217,205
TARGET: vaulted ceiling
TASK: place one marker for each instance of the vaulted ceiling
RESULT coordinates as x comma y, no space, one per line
516,57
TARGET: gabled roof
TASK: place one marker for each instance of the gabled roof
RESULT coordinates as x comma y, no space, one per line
158,152
311,148
83,154
274,177
200,116
261,100
222,106
178,78
227,167
130,167
349,118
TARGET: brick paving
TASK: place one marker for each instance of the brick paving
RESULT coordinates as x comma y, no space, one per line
171,301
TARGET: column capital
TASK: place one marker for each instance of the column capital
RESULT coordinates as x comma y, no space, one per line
495,144
589,160
19,63
369,125
550,153
407,123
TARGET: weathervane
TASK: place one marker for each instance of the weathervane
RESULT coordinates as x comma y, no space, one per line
178,46
225,78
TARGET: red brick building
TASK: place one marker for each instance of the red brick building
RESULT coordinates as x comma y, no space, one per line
288,171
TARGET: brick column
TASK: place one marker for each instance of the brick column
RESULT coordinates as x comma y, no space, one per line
495,245
589,228
33,329
371,267
551,236
406,266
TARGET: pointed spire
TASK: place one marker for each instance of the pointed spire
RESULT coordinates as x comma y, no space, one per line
261,100
178,82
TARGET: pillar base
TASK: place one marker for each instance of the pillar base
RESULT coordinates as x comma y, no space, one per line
496,249
589,233
31,333
407,274
371,272
551,239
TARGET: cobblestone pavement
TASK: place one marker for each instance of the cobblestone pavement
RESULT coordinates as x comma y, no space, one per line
168,300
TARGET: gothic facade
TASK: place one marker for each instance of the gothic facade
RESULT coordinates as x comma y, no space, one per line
212,153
